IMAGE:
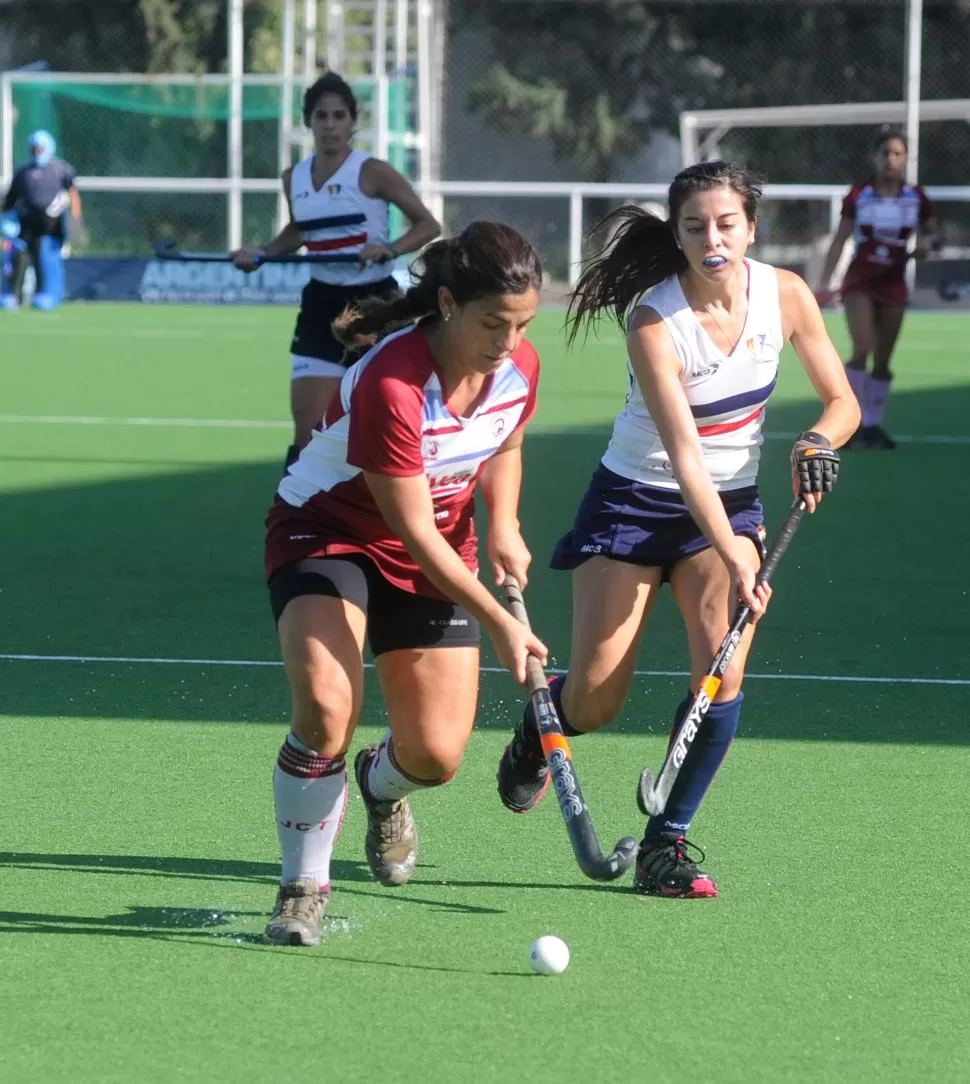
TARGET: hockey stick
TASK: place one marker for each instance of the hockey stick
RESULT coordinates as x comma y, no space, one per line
168,250
572,804
827,296
946,290
652,797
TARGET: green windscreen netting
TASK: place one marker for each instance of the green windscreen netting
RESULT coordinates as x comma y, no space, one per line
180,129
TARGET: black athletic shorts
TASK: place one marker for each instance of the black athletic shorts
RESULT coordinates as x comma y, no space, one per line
396,619
320,305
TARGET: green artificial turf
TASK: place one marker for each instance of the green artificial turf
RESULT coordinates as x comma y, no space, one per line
137,848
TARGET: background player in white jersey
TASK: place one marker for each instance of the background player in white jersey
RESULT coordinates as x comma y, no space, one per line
371,535
338,200
675,497
881,215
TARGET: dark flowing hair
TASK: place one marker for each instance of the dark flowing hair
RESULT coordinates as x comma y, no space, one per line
486,258
331,83
643,249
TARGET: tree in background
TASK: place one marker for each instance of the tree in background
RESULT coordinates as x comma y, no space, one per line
595,77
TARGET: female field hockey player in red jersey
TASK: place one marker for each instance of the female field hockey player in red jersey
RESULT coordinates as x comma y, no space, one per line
881,215
371,537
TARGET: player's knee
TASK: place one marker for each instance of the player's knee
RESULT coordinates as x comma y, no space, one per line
322,711
589,709
433,761
730,687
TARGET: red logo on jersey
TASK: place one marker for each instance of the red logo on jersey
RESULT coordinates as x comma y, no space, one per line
458,478
498,426
430,448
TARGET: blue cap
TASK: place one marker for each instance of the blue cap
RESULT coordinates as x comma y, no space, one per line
42,146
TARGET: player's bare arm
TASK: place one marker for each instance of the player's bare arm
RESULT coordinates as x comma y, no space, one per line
501,484
805,329
288,239
380,180
834,254
407,508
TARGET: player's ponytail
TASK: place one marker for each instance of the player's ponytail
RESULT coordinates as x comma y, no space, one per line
641,252
485,259
361,325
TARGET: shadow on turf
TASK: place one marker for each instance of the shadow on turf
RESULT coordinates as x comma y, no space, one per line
323,957
208,927
194,927
193,868
169,566
342,870
133,922
197,926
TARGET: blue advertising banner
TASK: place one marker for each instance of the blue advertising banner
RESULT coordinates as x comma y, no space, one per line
103,279
143,279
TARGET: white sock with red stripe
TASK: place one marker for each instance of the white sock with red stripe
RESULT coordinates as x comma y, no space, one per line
858,382
386,779
311,796
874,406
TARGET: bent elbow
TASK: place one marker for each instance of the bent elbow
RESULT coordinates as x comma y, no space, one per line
855,416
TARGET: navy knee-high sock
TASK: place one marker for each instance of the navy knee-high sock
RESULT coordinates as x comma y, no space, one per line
705,756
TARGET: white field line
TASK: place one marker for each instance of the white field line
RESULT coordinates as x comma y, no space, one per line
256,423
155,661
180,423
160,333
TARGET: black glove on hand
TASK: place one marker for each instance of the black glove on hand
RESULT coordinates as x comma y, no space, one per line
815,462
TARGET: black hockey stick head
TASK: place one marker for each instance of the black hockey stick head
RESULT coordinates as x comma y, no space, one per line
569,793
615,864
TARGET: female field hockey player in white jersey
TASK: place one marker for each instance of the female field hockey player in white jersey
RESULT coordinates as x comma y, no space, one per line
371,536
881,215
675,497
338,200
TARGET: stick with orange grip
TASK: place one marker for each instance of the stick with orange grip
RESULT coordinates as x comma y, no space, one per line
652,797
572,804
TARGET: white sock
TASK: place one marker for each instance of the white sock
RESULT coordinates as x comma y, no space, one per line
877,392
311,796
387,781
858,382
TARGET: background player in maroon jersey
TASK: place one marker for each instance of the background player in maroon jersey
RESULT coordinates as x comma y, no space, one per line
371,536
882,214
